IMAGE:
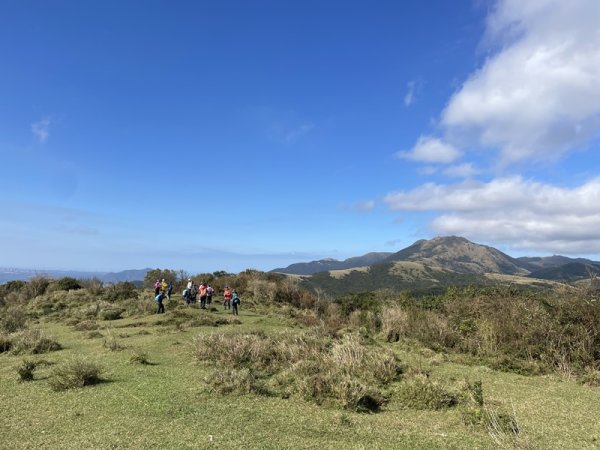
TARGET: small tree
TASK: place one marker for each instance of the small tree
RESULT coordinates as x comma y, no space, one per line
158,274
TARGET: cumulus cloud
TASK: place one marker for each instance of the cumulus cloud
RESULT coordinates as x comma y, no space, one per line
431,150
527,214
41,130
539,96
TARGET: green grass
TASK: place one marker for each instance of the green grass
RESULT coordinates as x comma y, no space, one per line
166,404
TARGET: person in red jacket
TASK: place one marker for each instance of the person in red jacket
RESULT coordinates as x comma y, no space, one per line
227,298
202,292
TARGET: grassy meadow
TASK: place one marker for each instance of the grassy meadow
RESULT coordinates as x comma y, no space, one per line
345,373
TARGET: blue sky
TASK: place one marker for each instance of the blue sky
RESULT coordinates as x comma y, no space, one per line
226,135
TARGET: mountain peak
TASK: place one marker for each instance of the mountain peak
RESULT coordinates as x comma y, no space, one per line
460,255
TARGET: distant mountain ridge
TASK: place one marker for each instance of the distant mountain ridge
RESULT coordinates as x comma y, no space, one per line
11,274
452,254
326,264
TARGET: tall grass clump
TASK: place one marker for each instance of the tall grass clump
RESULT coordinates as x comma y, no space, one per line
419,392
76,373
345,372
31,341
13,319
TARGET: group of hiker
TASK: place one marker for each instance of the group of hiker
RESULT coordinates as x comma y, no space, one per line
163,290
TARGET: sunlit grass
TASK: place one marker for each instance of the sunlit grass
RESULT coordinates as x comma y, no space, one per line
166,404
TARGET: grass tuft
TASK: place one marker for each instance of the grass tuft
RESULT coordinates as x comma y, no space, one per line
76,373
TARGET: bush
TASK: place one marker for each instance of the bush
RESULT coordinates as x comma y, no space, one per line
111,314
75,374
344,372
93,285
68,284
420,392
121,291
33,342
5,343
86,325
139,357
36,286
13,319
25,370
394,324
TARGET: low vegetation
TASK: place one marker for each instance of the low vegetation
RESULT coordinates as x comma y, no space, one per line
472,367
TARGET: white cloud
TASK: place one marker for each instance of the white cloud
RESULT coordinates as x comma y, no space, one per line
465,170
431,150
410,93
526,214
539,96
41,130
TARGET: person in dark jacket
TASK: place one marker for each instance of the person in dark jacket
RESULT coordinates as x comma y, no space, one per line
235,302
159,302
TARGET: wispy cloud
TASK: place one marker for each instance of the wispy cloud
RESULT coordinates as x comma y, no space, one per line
293,134
41,130
429,149
364,206
410,93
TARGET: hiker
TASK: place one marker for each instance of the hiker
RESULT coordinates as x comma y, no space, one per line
187,296
235,303
159,301
227,298
193,293
157,287
163,286
209,294
202,292
169,290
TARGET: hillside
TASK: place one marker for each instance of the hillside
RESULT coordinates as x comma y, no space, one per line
413,277
460,255
85,369
568,272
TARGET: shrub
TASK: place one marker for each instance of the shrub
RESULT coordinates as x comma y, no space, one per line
13,319
121,291
86,325
33,342
92,285
420,392
94,335
139,357
36,286
25,370
5,343
75,374
394,324
68,284
111,314
344,372
591,377
355,396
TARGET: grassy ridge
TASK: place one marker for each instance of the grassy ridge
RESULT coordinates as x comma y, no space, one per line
157,387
